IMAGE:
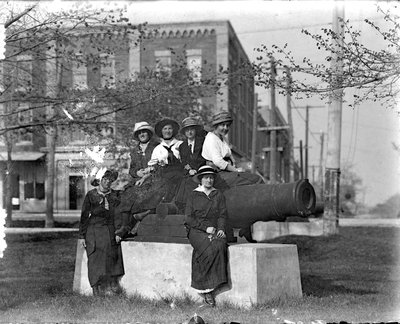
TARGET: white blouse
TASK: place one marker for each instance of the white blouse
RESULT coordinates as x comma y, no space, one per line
160,153
215,150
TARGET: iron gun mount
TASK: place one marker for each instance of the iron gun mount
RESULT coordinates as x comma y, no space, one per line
246,205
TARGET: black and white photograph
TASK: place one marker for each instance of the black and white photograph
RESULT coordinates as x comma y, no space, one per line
182,162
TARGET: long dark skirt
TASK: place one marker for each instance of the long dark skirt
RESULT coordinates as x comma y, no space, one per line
226,179
104,254
161,187
209,261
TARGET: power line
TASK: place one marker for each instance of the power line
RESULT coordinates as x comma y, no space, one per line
257,31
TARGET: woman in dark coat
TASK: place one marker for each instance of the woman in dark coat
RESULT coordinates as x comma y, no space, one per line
134,206
205,220
141,152
191,158
97,229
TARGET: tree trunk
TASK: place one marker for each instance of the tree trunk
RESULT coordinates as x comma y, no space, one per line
8,195
51,173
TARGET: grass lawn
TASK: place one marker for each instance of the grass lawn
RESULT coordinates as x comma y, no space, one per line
353,277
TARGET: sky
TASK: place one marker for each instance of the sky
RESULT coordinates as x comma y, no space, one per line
368,130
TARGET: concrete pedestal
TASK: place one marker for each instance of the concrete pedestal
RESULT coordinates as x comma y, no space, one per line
258,272
262,231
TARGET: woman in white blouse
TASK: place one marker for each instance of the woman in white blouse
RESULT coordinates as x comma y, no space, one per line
218,154
166,156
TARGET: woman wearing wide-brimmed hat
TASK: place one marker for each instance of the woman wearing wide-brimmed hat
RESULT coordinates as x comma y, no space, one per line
167,152
217,153
206,215
191,148
133,207
166,158
141,152
190,153
100,236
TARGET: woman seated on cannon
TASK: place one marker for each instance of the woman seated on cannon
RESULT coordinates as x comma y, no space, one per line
190,153
166,159
135,204
218,154
141,152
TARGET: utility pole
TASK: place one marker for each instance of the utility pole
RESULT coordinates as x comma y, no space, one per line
272,166
321,157
290,122
301,160
254,139
307,130
332,165
306,138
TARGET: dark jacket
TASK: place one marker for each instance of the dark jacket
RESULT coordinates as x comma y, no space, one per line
195,160
140,160
97,227
202,211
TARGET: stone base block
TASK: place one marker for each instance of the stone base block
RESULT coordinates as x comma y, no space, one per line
258,272
81,279
262,231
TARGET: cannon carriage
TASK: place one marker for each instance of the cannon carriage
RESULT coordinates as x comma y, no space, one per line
245,204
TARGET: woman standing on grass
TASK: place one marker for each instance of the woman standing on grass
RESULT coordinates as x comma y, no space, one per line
205,220
102,242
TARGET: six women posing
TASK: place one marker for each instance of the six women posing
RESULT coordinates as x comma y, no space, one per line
194,173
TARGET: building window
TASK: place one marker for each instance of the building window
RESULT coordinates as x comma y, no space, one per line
23,73
75,132
79,73
25,117
107,68
34,190
193,58
163,61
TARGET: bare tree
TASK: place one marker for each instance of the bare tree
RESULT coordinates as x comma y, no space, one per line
374,72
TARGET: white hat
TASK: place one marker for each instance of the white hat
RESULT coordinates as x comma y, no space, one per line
143,126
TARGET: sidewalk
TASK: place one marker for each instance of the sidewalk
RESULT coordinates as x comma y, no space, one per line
61,217
37,230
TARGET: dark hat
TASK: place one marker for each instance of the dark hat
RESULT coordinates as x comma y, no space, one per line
221,117
203,170
166,121
110,174
191,122
196,319
142,126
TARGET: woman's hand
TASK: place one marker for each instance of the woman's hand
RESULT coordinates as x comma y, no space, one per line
84,243
210,230
221,234
141,173
118,239
142,180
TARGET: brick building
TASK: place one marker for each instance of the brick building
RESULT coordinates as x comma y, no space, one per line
207,47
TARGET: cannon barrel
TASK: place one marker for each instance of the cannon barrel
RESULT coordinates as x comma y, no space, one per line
266,202
246,205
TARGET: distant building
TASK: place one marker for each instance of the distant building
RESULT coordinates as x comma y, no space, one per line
206,45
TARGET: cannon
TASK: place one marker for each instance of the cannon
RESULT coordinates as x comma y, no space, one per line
245,204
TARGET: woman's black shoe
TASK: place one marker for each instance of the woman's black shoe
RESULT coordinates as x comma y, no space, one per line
209,299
